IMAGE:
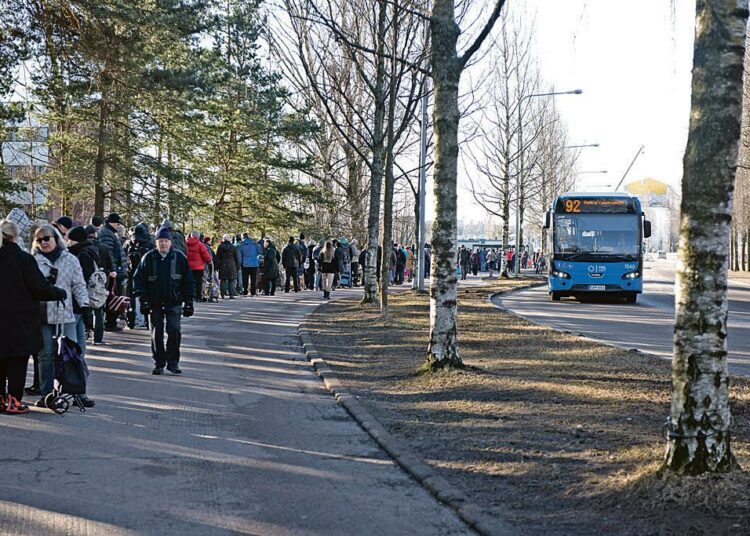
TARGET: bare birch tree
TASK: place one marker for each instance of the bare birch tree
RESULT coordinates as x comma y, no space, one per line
446,69
700,419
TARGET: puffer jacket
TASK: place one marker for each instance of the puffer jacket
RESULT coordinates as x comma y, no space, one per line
70,279
197,254
108,237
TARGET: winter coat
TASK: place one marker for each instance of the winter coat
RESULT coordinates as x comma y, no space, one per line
249,253
226,261
400,259
291,256
271,259
328,267
24,286
70,279
88,257
108,237
197,254
137,247
464,257
154,280
105,259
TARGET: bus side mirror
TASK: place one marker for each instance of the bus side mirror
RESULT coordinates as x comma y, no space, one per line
646,229
547,220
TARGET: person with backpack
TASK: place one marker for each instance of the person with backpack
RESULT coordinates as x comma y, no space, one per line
96,285
63,270
164,285
24,286
105,260
250,253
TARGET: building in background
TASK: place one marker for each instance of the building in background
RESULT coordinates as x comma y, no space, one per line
661,203
24,154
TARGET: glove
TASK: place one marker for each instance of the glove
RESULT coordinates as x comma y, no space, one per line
88,318
187,310
61,294
145,308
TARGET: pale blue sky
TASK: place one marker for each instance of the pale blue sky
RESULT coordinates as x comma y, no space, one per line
633,62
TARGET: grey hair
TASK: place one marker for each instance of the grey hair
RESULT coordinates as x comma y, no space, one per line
49,230
9,230
195,234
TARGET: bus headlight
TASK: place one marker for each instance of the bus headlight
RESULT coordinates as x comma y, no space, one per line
560,275
632,275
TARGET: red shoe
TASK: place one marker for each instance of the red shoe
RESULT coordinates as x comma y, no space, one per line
14,407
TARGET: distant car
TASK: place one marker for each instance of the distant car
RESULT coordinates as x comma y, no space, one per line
661,255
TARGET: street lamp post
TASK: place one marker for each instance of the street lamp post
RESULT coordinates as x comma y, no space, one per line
516,269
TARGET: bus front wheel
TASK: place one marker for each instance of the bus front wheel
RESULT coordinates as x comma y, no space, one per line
631,297
555,296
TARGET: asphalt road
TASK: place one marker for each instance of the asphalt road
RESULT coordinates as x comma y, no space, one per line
247,441
647,325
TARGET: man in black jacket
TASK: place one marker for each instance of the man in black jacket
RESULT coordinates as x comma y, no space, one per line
163,282
291,258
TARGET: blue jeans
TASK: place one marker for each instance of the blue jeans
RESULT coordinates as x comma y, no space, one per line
81,334
140,319
48,353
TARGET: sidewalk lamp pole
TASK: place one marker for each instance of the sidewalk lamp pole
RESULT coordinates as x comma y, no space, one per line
516,270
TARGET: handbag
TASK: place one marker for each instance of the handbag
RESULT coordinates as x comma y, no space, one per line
117,304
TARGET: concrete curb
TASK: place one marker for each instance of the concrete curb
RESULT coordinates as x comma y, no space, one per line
440,488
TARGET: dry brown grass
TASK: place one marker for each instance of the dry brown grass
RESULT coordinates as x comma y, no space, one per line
547,431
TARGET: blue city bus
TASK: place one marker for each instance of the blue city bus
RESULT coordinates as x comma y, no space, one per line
597,245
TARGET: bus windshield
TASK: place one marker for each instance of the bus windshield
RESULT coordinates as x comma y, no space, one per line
596,237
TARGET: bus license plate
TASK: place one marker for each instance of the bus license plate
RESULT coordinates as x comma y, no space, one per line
597,287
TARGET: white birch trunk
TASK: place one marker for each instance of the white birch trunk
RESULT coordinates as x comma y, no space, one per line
446,72
378,163
700,416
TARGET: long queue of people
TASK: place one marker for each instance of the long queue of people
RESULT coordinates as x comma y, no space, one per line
79,282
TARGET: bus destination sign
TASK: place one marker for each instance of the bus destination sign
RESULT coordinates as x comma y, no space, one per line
600,205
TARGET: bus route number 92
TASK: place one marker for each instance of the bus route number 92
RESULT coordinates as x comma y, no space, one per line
572,205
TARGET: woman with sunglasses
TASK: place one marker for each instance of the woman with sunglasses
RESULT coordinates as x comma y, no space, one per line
23,288
64,271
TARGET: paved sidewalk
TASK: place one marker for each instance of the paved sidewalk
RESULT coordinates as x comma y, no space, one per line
247,441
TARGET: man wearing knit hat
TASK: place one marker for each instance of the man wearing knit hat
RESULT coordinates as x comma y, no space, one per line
163,282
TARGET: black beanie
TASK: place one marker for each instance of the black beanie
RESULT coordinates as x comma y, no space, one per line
65,221
78,234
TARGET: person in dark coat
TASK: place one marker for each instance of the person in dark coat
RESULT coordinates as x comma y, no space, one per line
228,266
271,258
108,236
23,288
291,258
163,282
